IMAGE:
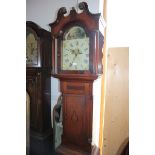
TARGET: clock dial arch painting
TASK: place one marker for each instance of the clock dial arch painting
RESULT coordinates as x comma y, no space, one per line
75,49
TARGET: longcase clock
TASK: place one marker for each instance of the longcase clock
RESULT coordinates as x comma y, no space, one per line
77,61
38,82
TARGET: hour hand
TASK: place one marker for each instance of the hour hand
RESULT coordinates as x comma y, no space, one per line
80,53
72,51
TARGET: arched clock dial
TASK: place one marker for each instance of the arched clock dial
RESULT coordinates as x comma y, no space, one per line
75,53
31,49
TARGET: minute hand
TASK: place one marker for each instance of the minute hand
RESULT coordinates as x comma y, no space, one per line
73,60
77,51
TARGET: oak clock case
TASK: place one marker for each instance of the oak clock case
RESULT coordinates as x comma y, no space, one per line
38,84
77,61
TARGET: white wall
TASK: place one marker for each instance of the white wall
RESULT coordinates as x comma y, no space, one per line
118,23
96,111
44,12
55,93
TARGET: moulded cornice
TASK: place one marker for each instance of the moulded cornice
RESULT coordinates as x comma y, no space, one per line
89,19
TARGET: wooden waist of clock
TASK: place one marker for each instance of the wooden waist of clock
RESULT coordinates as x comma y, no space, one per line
77,115
38,83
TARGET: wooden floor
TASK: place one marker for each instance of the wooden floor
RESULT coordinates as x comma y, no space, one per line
38,147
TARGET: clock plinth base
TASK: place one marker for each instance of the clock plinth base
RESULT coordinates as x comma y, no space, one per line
66,150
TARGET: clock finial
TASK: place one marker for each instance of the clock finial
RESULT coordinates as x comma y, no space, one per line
73,11
61,11
83,6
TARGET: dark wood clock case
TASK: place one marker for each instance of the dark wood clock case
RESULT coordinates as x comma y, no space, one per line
38,84
77,86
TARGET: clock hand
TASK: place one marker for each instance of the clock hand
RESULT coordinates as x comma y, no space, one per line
73,60
76,52
79,52
73,51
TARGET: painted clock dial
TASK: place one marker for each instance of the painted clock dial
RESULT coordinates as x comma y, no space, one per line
75,52
31,49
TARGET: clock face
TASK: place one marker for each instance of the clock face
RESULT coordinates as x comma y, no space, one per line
75,52
31,49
